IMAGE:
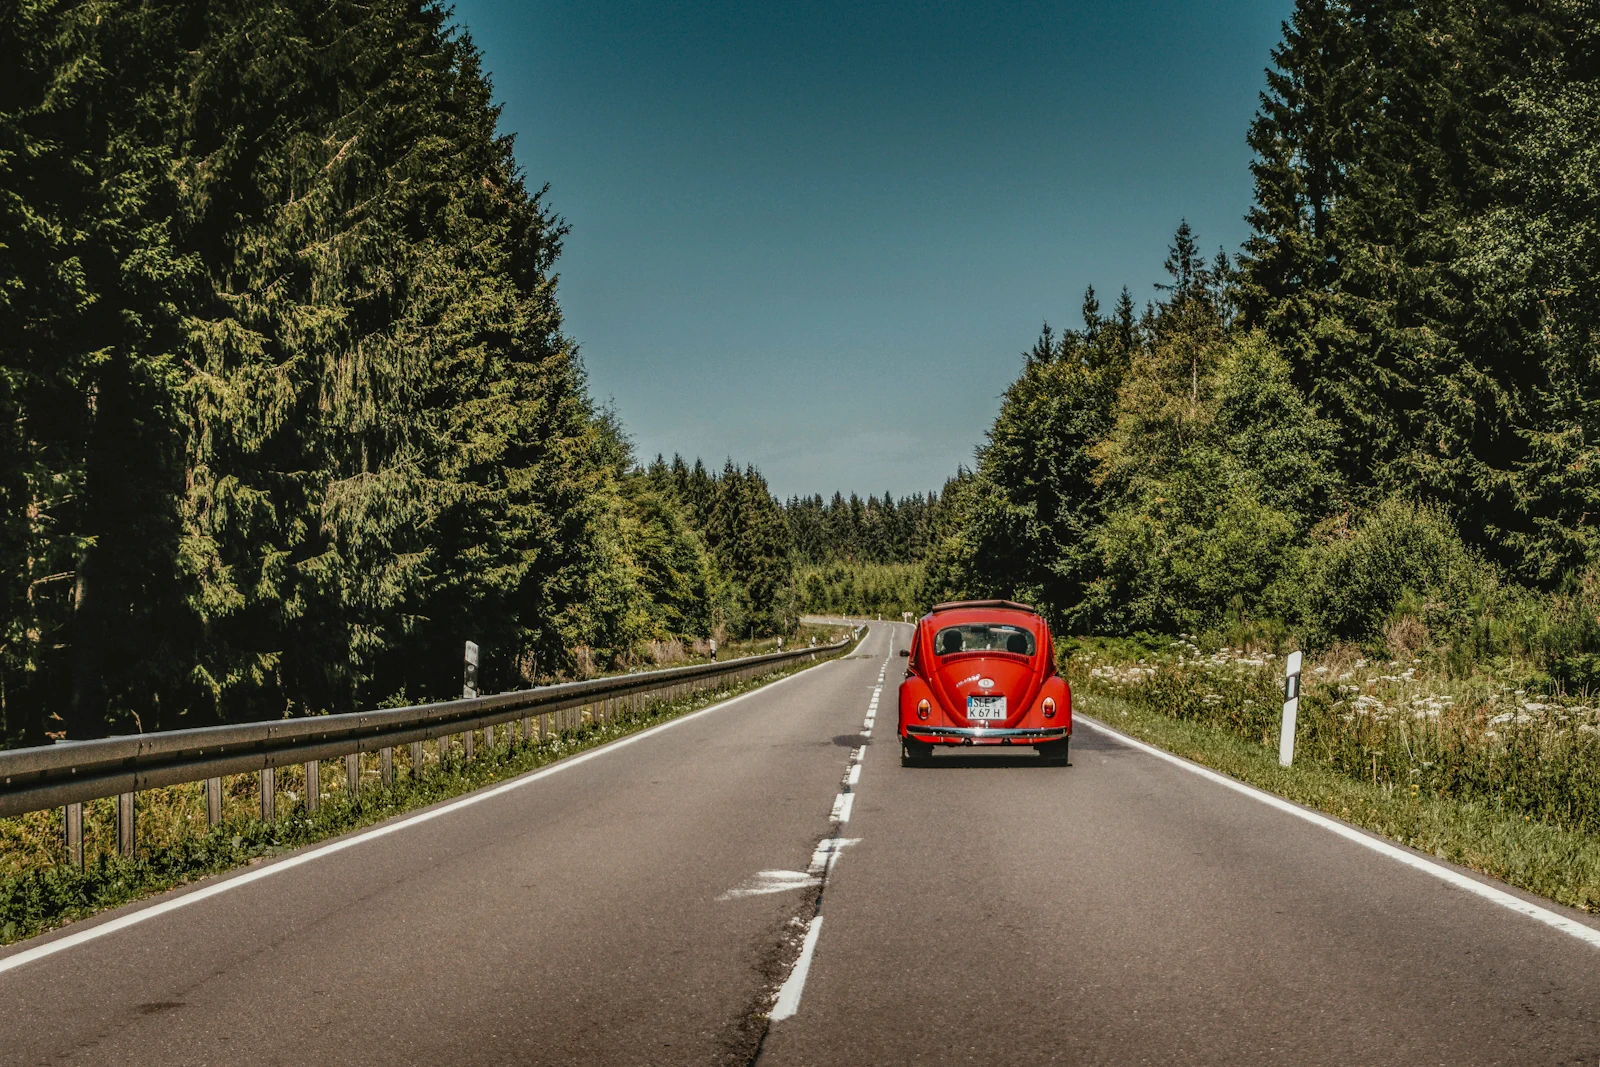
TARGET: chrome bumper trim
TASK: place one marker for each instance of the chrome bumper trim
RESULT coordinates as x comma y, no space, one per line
975,732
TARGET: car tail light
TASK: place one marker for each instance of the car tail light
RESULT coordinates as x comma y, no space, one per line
923,708
1049,707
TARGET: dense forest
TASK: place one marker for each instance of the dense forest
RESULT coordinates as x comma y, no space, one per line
862,557
288,408
862,531
1378,423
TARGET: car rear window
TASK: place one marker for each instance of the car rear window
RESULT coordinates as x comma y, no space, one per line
983,637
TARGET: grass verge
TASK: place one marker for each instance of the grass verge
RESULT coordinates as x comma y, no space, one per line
1563,865
38,892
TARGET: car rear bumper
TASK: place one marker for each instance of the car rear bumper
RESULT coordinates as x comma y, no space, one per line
980,735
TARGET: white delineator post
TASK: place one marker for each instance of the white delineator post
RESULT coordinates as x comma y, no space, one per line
469,672
1291,708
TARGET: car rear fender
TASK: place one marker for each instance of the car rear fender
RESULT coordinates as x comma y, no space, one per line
912,690
1055,687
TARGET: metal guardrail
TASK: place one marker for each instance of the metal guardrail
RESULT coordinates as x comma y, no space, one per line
66,775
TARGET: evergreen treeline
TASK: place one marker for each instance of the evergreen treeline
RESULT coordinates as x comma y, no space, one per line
749,552
1379,423
861,531
288,410
862,557
856,589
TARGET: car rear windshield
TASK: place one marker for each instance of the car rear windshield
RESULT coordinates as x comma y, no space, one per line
983,637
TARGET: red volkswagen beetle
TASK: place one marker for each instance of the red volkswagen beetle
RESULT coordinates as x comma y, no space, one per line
983,672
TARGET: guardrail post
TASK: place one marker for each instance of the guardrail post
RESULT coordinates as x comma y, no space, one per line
313,787
416,760
386,764
269,794
127,838
72,815
444,750
213,801
352,775
467,739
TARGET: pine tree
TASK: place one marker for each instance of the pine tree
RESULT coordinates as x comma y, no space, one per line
94,291
291,412
1378,144
1184,265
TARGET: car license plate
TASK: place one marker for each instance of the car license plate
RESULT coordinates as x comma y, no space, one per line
986,709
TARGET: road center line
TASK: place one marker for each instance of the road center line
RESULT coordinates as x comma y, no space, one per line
1510,902
789,994
788,1001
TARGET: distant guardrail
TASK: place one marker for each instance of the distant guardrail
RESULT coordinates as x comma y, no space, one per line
67,774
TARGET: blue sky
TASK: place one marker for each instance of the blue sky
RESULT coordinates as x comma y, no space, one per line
817,237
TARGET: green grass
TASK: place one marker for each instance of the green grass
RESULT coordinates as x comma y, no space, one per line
1482,834
39,891
860,588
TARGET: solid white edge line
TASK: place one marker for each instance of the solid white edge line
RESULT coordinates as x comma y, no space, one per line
122,922
789,993
1506,900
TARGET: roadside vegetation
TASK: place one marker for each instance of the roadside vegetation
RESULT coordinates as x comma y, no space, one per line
288,411
40,891
862,557
1378,418
860,589
1478,769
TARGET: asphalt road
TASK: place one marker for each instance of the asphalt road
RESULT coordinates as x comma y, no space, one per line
983,910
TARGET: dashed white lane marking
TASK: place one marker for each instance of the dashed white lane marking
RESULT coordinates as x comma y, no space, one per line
1506,900
789,994
122,922
827,853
